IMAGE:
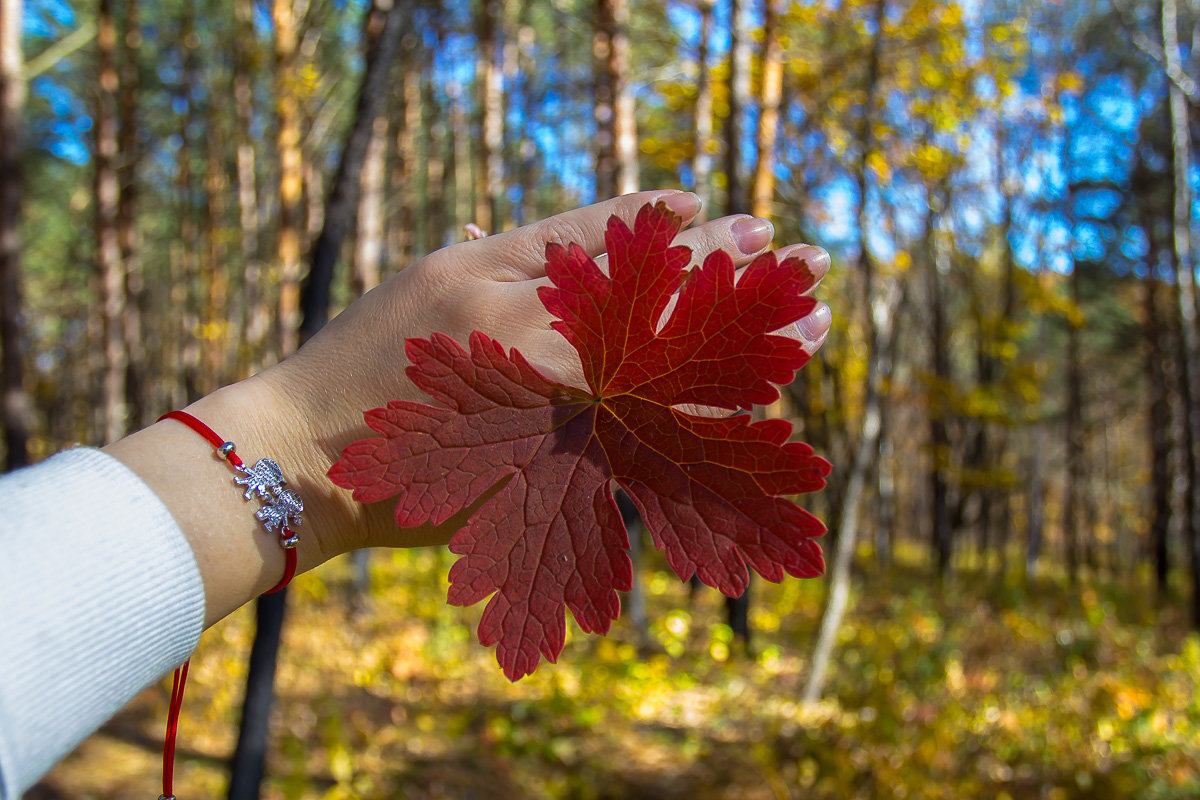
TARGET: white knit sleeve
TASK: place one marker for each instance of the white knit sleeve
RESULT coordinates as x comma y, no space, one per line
100,595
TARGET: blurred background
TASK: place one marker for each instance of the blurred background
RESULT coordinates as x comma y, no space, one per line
1010,395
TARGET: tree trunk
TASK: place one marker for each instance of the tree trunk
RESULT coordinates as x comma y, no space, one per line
491,119
1158,419
383,28
881,305
402,224
291,170
763,193
1189,361
128,236
435,166
739,90
214,278
17,410
938,403
185,262
110,277
616,126
255,316
1074,436
625,106
381,36
368,240
702,160
883,314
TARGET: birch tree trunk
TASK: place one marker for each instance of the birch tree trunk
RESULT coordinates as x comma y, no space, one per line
1189,361
881,304
17,412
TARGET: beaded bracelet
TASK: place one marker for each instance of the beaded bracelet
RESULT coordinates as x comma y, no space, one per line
280,510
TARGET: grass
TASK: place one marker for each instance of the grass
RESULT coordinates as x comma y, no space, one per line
984,689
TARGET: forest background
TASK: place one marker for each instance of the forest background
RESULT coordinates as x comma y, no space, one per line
1010,395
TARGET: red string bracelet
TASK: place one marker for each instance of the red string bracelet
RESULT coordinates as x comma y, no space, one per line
280,510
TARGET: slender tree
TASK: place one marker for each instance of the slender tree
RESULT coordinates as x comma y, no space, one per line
255,312
702,160
16,410
616,127
110,275
1189,360
939,384
488,82
763,188
286,14
739,90
128,236
882,300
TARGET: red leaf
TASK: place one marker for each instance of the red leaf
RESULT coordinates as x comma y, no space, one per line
708,488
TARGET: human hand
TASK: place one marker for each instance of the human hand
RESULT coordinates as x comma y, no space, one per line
304,411
357,362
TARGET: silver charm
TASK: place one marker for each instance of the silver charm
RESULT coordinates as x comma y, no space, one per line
281,511
264,478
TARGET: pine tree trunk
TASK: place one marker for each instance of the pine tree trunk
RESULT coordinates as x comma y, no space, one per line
185,260
605,99
1189,360
763,193
491,118
402,224
16,412
127,233
110,276
525,145
368,240
938,406
382,30
702,160
214,278
435,166
739,86
1158,421
624,104
255,312
1074,438
291,170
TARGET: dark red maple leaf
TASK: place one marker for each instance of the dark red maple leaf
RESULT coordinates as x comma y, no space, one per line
709,488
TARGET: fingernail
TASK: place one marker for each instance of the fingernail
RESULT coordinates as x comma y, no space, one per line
817,258
813,327
685,204
752,234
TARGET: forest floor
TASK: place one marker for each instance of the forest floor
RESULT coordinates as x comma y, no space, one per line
985,689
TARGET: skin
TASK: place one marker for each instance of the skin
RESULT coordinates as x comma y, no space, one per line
306,409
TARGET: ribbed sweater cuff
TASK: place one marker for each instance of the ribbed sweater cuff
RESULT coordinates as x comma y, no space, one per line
100,596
